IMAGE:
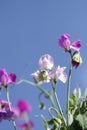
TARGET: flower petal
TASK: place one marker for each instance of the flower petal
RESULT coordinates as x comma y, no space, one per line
12,77
76,45
64,41
46,62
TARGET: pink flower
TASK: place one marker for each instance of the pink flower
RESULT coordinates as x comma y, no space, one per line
6,79
76,45
58,74
65,43
23,106
46,62
26,126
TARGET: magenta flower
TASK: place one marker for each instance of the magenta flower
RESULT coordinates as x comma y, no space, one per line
26,126
58,74
6,79
46,62
76,45
65,43
5,113
23,106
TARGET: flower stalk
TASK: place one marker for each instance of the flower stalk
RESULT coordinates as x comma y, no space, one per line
58,104
8,99
41,89
68,93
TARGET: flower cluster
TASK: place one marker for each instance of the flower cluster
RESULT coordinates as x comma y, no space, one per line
24,108
7,111
65,43
18,112
48,71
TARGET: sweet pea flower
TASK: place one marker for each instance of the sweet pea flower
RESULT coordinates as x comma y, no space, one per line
26,126
58,74
41,76
23,106
65,43
5,112
46,62
6,115
6,78
35,75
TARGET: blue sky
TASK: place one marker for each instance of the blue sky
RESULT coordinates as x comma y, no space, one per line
31,28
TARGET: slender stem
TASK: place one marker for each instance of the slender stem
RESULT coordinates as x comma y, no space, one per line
68,93
36,85
8,99
57,101
56,111
40,88
52,102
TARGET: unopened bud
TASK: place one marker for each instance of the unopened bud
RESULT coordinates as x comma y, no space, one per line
76,59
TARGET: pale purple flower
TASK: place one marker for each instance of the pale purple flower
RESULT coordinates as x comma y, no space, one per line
16,112
46,62
26,126
6,78
23,106
58,74
65,43
41,76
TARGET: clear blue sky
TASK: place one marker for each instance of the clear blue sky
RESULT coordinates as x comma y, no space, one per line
31,28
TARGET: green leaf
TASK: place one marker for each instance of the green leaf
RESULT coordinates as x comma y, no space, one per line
45,122
75,126
74,102
82,120
70,117
77,93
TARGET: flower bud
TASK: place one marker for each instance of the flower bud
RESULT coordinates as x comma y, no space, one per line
76,59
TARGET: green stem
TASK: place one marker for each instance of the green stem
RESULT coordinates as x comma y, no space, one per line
8,99
57,100
40,88
56,111
58,104
68,93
